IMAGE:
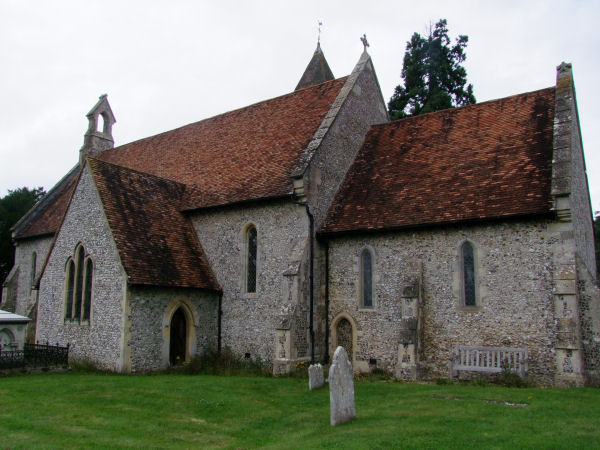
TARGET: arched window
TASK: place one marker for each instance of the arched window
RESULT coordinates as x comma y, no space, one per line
69,289
87,289
468,274
366,274
33,268
79,256
251,245
78,289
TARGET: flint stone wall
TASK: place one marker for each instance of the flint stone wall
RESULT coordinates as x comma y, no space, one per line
101,340
23,300
514,280
148,332
249,320
589,311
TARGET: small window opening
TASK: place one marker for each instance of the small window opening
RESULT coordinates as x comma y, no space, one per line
251,261
468,260
367,279
100,123
33,268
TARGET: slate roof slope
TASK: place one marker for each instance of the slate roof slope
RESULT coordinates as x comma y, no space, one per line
485,161
241,155
156,243
45,217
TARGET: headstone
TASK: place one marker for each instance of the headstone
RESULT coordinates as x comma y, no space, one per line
341,388
315,376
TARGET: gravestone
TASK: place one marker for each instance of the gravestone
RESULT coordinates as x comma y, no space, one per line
341,388
315,376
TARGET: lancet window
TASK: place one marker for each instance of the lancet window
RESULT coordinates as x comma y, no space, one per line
78,289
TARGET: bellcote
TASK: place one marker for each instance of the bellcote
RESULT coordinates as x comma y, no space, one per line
98,136
317,71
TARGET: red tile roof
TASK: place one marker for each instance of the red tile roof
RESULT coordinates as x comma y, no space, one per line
50,211
245,154
156,243
490,160
241,155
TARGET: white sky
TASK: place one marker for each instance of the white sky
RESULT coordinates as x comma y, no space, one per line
166,64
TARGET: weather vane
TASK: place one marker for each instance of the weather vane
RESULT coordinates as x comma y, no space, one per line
364,41
319,38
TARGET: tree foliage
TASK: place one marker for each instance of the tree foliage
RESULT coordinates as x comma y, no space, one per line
12,207
434,78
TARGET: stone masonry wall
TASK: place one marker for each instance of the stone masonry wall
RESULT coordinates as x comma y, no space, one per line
514,280
589,305
249,320
101,340
23,255
569,173
150,311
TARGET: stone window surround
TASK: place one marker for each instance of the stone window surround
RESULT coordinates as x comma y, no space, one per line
244,259
459,277
360,281
73,259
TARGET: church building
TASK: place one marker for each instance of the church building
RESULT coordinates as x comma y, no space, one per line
454,241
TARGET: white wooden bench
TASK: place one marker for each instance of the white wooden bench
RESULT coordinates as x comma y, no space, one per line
489,360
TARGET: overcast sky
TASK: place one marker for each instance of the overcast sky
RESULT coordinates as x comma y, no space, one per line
165,64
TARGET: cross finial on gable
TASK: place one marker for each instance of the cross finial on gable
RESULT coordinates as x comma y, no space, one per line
364,41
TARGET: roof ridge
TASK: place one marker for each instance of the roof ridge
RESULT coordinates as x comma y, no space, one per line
147,174
228,112
460,108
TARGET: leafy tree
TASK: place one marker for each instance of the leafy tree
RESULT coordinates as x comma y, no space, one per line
434,78
12,207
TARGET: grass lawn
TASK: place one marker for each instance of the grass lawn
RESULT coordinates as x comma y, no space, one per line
83,410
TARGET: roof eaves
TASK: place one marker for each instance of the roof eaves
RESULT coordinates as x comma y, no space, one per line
39,206
550,214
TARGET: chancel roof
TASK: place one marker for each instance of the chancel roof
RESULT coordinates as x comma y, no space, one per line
486,161
156,243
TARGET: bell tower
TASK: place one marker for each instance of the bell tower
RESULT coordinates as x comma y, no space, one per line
98,136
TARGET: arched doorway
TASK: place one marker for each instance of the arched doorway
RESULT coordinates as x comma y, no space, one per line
344,336
178,335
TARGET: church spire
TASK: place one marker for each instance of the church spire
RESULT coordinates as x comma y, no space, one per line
317,71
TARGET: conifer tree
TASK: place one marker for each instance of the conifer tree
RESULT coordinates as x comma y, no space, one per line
434,78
